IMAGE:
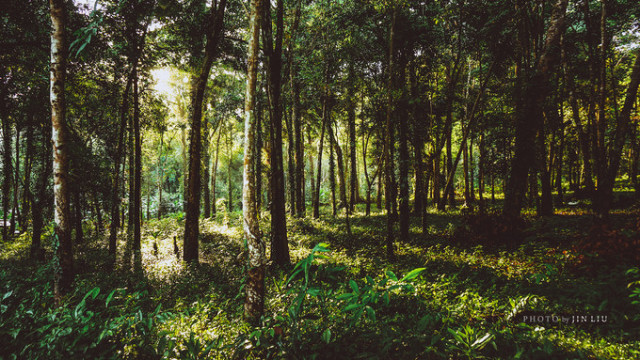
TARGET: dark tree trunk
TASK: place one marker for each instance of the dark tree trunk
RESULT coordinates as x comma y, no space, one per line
403,153
390,188
37,213
137,178
160,174
273,55
198,87
77,216
15,210
254,288
115,195
533,90
258,154
332,173
206,195
7,177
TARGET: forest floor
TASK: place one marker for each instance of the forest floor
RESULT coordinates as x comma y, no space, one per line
467,288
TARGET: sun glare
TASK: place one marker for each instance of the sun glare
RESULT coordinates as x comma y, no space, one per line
162,81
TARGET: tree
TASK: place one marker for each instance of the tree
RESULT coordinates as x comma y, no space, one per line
273,56
533,89
63,276
254,301
215,29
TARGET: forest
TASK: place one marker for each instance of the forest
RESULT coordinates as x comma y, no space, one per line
320,179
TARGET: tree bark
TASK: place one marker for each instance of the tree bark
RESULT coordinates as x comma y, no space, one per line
254,301
7,175
206,195
198,87
316,195
390,189
63,268
529,110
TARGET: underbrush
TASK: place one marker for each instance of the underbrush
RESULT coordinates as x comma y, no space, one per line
457,292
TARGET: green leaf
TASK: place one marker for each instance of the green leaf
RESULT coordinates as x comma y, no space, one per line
106,304
392,276
326,336
413,274
353,286
371,313
352,307
345,296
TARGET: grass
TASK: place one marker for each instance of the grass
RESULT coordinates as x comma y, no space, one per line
464,303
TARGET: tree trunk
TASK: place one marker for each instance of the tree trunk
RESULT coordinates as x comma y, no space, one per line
258,154
63,268
403,153
254,301
390,189
15,211
42,197
206,195
341,176
214,173
316,195
160,174
353,185
7,175
273,55
137,178
198,87
229,185
332,174
533,90
115,198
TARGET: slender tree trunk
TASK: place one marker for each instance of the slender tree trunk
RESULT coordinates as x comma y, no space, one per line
482,161
546,201
403,152
198,87
340,159
332,174
28,165
214,173
137,178
63,268
605,187
115,197
316,195
258,154
254,301
39,205
291,171
160,174
559,165
390,189
530,111
229,185
15,211
7,175
353,184
206,195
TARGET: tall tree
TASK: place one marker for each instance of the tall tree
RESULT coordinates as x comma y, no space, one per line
254,301
63,269
273,54
533,91
214,32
